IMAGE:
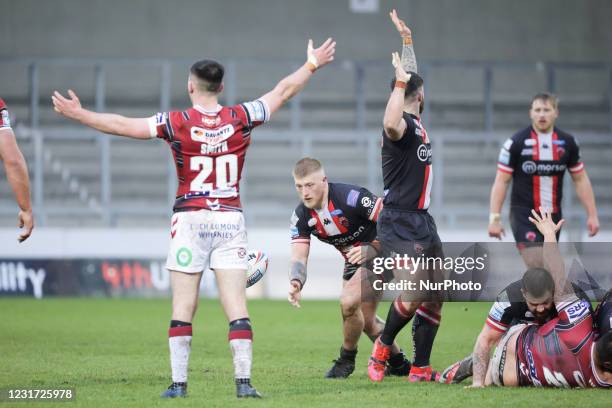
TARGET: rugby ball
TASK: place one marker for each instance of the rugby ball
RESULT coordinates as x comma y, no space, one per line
257,266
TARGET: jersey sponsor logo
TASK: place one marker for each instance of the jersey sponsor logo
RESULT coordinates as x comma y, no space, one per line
336,212
497,310
530,142
256,110
508,144
211,121
366,202
529,167
558,142
351,199
184,257
424,153
577,311
341,240
312,222
527,152
504,157
212,137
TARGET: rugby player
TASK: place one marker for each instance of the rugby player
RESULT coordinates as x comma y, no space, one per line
526,301
535,160
209,142
342,215
566,351
16,171
404,226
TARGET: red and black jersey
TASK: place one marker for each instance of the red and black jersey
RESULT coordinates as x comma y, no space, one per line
209,149
510,308
348,219
537,163
406,167
560,353
5,120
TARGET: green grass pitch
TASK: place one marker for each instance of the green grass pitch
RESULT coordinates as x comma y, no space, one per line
114,353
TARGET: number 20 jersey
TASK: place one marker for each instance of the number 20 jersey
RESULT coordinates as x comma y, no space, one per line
209,149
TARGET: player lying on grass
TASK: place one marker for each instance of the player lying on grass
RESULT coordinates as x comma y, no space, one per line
526,301
344,216
209,143
566,351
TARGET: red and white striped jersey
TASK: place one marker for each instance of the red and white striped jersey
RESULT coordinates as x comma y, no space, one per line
407,169
5,120
560,353
209,149
537,163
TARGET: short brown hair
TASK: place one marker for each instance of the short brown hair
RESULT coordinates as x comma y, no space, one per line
546,97
306,166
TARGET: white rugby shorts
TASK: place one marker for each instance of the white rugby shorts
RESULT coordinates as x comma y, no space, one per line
207,239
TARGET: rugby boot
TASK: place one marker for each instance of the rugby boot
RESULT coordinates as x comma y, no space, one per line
344,365
175,390
418,374
245,390
378,361
398,365
458,371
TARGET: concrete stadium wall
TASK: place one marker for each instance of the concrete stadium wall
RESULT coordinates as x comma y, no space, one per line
555,30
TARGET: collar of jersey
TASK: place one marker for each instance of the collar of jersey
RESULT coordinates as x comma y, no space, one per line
207,112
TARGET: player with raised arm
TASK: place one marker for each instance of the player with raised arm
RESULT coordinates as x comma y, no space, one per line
342,215
404,225
209,142
565,352
16,171
535,160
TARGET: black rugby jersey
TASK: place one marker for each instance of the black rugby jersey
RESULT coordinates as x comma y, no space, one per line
348,219
406,167
537,164
510,308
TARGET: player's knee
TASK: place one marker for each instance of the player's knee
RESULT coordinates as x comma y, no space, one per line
349,305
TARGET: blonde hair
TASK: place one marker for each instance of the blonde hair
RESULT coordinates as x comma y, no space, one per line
306,166
546,97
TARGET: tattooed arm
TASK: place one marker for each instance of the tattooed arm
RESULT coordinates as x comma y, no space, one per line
409,62
482,352
297,271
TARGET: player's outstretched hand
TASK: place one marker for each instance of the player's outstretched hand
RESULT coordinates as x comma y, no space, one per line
26,221
496,230
544,222
69,107
400,73
593,226
322,55
358,255
401,27
295,293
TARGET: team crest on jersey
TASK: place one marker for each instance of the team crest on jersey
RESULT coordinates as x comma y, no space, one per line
343,221
530,236
211,121
212,137
560,151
